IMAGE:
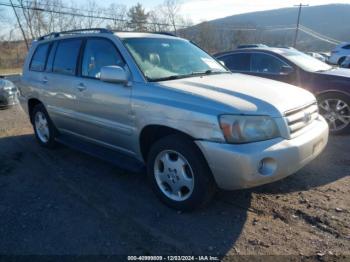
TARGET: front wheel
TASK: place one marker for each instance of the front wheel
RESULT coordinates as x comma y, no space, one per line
179,174
335,108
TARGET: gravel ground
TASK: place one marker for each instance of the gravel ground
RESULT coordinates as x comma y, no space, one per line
65,202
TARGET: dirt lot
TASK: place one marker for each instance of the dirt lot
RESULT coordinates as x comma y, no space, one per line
66,202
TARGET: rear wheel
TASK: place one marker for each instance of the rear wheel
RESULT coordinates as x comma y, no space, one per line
335,108
44,129
179,174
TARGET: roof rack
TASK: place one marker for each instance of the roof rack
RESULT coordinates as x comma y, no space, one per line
164,33
77,31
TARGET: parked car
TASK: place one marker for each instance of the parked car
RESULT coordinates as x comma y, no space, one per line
346,63
339,54
8,93
326,56
330,85
251,46
317,56
161,102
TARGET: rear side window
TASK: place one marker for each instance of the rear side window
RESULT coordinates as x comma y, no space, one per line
39,58
346,47
237,62
66,56
97,54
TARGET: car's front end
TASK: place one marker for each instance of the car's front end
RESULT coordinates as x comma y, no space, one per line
8,93
283,148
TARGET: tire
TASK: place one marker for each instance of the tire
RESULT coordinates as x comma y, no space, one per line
44,130
189,172
341,60
335,108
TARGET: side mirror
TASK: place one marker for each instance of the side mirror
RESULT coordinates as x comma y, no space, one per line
286,70
113,74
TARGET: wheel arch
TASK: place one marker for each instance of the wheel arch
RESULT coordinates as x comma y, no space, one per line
152,133
32,102
332,91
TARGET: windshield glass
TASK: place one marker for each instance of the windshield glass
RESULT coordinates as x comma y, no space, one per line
307,62
164,59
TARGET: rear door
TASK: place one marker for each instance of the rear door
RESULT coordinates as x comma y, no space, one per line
104,108
237,62
61,83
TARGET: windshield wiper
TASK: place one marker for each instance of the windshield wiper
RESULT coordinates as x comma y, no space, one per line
174,77
209,72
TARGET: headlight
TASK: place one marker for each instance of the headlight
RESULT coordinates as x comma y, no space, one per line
245,129
9,86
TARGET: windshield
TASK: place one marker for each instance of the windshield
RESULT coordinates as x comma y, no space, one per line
307,62
165,59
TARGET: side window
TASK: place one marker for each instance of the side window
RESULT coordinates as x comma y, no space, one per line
262,63
97,54
346,47
51,57
39,58
237,62
66,57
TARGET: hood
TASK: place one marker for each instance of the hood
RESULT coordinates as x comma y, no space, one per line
342,72
243,94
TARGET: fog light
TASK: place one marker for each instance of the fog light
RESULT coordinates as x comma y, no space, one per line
267,166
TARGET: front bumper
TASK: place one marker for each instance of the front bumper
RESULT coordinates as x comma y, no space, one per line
239,166
8,99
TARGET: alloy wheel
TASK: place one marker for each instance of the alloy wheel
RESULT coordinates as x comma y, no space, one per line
336,112
42,127
174,175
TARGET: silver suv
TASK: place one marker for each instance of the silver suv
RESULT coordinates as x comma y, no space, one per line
160,102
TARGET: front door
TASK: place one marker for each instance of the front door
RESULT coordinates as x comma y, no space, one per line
270,66
104,108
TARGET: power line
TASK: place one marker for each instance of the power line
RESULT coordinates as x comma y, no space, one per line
318,37
40,9
321,35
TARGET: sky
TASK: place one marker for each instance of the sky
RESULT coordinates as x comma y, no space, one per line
205,10
201,10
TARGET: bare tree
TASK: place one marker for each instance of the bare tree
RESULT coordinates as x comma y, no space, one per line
172,8
119,14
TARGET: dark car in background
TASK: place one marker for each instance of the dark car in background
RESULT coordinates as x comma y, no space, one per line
330,85
8,93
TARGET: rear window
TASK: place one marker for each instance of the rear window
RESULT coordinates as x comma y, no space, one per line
39,58
66,56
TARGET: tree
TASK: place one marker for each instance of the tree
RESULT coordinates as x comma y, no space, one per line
119,14
138,18
171,8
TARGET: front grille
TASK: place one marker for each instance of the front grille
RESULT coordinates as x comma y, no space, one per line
298,119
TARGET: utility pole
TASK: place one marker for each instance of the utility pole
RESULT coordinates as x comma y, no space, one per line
20,25
298,22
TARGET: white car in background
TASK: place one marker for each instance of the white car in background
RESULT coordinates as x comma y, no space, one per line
339,54
317,56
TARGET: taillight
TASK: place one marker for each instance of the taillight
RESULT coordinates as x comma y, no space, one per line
334,52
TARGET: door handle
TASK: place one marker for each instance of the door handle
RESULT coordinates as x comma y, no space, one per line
45,80
81,87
